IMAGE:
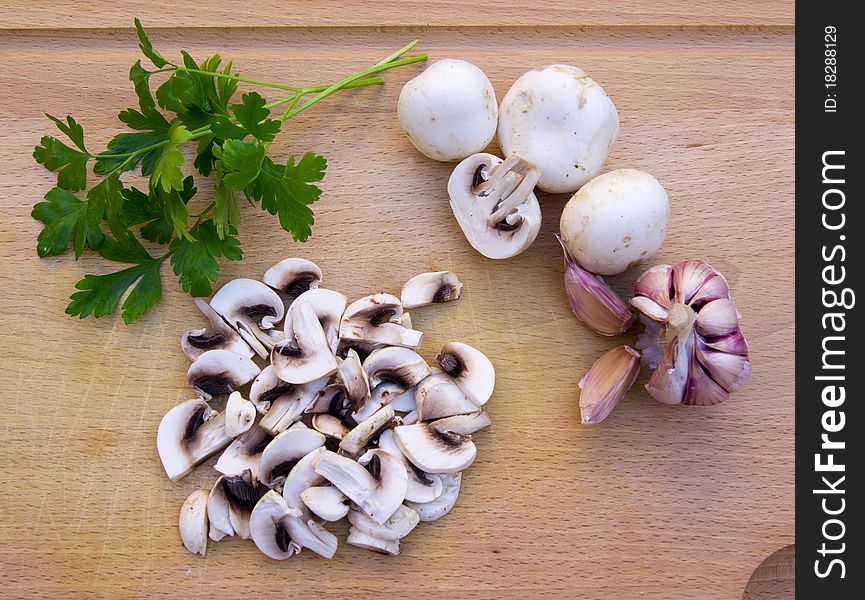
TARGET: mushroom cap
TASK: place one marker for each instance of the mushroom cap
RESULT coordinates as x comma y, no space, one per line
189,434
561,120
268,527
402,366
193,522
248,300
284,452
470,368
293,276
220,372
435,451
378,318
449,111
400,524
326,502
239,415
442,505
196,342
358,438
616,221
507,238
367,542
288,408
430,288
328,306
422,487
305,354
230,504
244,453
378,489
439,396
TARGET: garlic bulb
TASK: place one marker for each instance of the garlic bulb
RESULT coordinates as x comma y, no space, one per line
692,336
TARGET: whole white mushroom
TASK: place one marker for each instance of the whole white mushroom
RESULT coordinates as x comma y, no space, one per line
449,111
560,120
616,221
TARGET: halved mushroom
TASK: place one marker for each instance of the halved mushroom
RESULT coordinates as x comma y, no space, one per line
268,526
220,372
239,415
401,366
435,451
430,288
358,538
330,400
326,502
329,425
288,406
422,487
442,505
196,342
379,489
189,434
244,453
293,276
400,524
328,305
357,439
251,308
354,380
193,522
439,396
470,368
494,203
378,318
281,454
305,354
230,505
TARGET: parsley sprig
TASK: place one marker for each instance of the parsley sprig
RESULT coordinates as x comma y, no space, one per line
195,103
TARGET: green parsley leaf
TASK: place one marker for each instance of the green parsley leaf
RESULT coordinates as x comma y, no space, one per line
195,260
167,171
226,213
224,129
125,248
140,78
240,162
70,164
105,200
149,211
125,144
252,115
64,215
72,129
147,47
100,294
287,191
204,155
176,92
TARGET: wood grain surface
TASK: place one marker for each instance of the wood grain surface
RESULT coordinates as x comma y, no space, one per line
657,502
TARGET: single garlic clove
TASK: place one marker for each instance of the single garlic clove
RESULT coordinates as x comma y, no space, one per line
669,381
607,382
717,318
656,284
735,343
650,308
592,300
716,287
730,371
702,390
688,277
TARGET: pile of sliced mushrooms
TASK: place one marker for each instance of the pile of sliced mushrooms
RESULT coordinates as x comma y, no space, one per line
345,420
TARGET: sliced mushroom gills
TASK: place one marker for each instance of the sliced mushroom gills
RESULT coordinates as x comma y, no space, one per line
345,419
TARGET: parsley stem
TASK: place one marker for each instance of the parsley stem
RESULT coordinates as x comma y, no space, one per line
280,86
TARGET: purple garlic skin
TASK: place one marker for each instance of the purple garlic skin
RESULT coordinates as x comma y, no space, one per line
692,337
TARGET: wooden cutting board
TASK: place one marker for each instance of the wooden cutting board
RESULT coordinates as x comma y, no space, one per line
657,502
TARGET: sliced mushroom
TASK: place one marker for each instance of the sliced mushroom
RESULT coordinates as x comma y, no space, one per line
268,526
435,451
354,380
422,487
196,342
193,522
328,306
220,372
329,425
470,368
230,505
411,418
309,534
430,288
239,415
189,434
300,478
463,424
357,439
288,407
244,453
362,348
251,308
442,505
439,396
494,203
330,400
305,354
293,276
283,453
379,489
401,366
378,318
326,502
367,542
400,524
